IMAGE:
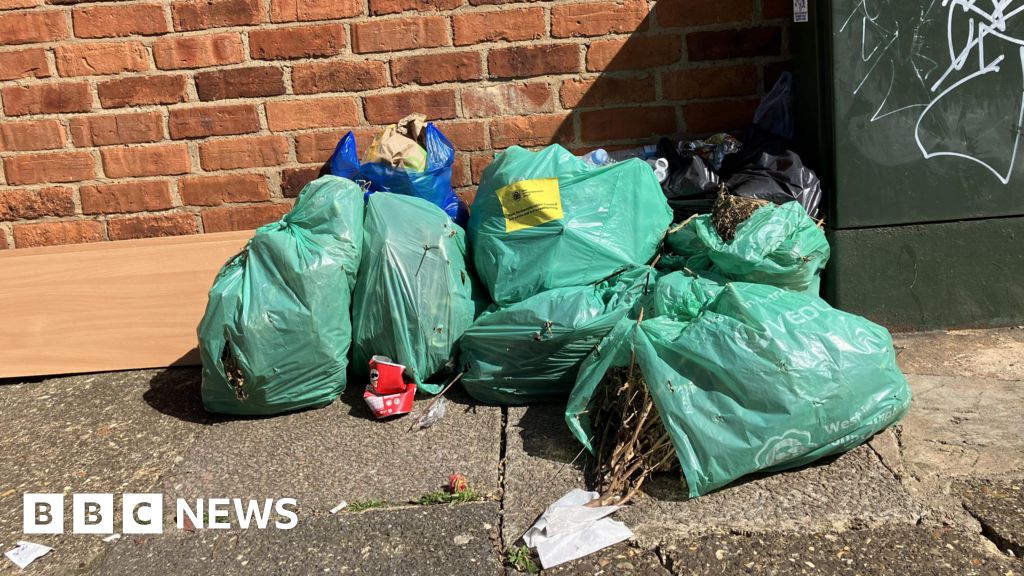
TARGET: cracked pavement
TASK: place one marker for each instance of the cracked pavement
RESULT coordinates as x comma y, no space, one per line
941,493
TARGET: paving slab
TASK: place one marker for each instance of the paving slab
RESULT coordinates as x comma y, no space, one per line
450,540
963,427
904,551
538,465
986,354
324,456
619,559
852,491
108,433
999,508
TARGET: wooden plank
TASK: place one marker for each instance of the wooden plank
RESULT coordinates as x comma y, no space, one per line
109,305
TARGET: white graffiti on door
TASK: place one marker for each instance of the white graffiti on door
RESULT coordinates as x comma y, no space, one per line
939,59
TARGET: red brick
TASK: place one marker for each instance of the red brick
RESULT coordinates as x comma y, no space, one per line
24,63
3,240
50,98
709,82
31,204
436,68
477,165
533,60
498,25
311,113
598,18
297,42
318,146
14,4
730,44
772,9
293,179
506,98
198,51
536,130
338,76
634,53
247,152
230,218
155,160
203,121
623,123
101,58
57,233
49,167
109,129
37,135
139,196
293,10
31,27
389,108
460,174
719,116
217,190
200,14
119,20
240,83
604,90
465,135
142,91
676,13
378,7
399,34
152,226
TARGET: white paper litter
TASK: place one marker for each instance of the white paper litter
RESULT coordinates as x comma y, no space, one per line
26,552
339,507
112,537
569,530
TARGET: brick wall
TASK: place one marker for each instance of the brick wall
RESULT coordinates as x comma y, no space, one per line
150,118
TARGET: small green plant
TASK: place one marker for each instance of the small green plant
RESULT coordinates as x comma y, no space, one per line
519,557
367,504
444,497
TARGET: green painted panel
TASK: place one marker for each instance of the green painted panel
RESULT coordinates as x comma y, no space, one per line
957,274
926,106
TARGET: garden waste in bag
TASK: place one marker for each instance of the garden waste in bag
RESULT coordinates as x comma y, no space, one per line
750,377
380,174
276,333
530,351
777,245
413,299
547,219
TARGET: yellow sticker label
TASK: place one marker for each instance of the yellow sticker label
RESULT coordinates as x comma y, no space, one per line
530,203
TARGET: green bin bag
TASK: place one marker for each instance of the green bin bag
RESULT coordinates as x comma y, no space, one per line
530,351
277,329
414,296
547,219
777,245
750,377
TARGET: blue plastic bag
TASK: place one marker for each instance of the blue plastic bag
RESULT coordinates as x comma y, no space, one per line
433,184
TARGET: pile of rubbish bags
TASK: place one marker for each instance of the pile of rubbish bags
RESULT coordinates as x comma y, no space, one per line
565,268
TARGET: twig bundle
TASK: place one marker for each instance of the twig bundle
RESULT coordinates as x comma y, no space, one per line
632,442
731,211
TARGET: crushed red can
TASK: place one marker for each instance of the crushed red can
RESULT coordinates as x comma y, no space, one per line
386,405
386,377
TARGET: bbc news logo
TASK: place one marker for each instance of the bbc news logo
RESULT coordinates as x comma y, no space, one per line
144,513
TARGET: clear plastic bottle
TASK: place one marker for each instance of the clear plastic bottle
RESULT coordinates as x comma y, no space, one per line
598,157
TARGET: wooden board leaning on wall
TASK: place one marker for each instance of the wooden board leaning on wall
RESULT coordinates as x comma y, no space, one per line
107,306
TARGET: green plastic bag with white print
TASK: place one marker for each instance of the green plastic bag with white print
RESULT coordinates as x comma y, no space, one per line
277,329
750,377
414,296
547,219
778,245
